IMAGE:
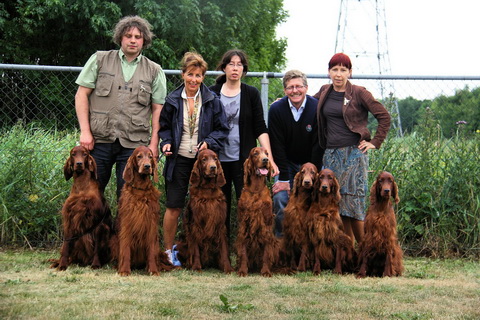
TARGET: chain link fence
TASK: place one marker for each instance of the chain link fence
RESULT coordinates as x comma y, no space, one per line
45,95
41,99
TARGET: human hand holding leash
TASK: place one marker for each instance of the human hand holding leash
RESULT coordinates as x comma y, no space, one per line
166,150
202,145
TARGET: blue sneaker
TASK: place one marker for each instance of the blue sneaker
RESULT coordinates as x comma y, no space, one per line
175,260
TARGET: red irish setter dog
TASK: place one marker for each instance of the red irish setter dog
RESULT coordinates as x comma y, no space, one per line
294,223
380,252
332,248
87,221
257,247
138,217
204,219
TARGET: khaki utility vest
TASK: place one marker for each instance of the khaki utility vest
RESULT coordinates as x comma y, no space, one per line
119,109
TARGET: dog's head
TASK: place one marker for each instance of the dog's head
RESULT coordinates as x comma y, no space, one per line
78,161
257,165
207,167
305,177
327,184
384,187
141,162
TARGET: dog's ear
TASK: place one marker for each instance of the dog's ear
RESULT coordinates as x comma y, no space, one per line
336,189
68,168
92,165
395,195
220,176
247,172
316,188
270,171
195,175
154,170
128,172
297,182
374,191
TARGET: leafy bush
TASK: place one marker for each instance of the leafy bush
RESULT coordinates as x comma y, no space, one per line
439,211
33,187
438,178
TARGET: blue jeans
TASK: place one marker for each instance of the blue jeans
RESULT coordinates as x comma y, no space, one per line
106,155
280,199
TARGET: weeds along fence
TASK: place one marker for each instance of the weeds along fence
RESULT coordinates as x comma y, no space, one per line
439,179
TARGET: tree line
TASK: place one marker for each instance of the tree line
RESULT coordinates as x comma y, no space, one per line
67,32
451,112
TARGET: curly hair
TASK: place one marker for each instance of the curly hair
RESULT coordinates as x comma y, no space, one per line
128,22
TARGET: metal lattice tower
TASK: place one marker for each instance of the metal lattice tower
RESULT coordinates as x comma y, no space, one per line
362,34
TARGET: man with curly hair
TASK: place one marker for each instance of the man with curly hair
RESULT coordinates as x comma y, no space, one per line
119,100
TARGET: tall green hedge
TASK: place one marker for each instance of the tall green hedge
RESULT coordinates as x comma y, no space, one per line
438,179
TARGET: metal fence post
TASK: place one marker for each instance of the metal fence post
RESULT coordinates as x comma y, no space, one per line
264,95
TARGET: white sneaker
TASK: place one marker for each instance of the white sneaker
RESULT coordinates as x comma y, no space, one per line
169,255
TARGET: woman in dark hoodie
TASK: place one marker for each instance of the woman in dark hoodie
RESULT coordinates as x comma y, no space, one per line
192,119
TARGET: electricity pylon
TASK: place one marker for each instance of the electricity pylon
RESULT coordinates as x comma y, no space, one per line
362,34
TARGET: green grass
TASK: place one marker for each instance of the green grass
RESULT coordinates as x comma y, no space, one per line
429,289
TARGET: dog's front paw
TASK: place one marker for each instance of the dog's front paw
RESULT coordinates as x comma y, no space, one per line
62,268
197,267
265,272
228,270
242,273
316,269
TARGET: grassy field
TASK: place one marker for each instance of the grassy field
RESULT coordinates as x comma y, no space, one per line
429,289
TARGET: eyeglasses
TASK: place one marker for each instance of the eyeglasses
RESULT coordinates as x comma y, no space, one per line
233,65
290,89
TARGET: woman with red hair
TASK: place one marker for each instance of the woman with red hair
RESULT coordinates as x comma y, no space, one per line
342,126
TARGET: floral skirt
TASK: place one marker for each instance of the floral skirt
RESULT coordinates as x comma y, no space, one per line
350,166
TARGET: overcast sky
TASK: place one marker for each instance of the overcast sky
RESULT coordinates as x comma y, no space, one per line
425,37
